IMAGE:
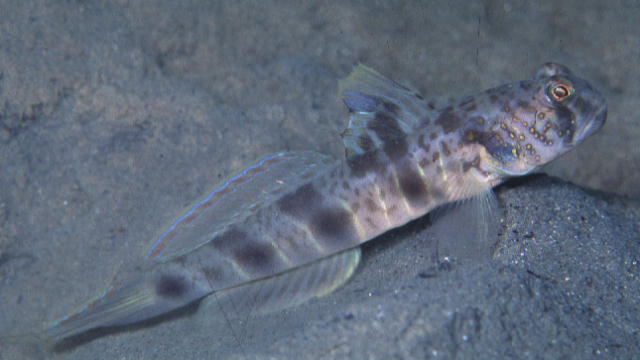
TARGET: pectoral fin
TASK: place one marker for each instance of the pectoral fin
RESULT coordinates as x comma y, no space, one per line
467,230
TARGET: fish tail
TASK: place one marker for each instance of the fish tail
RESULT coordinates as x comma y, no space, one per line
120,304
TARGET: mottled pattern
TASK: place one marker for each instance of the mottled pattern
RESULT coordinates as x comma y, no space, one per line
404,159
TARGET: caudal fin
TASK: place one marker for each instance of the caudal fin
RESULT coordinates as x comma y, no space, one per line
127,302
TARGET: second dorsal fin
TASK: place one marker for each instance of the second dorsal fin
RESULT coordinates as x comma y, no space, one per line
241,196
381,110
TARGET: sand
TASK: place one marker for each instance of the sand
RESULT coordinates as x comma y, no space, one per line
115,116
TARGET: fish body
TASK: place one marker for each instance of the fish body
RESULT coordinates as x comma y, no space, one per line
293,222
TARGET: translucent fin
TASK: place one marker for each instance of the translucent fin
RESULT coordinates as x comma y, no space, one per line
131,301
467,230
237,198
290,288
381,110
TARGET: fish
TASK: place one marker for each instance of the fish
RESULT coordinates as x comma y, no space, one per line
289,227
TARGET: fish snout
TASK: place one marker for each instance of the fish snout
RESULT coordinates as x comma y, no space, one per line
597,120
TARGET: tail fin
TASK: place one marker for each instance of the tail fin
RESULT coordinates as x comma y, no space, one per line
122,303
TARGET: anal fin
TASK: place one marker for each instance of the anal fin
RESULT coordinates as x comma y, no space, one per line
290,288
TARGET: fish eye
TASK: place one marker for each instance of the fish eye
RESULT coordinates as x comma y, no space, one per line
559,90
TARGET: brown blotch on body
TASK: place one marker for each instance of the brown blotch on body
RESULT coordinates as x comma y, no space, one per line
297,202
391,107
449,121
386,127
371,205
413,188
258,257
469,136
470,164
445,148
230,239
396,148
422,142
526,106
360,165
171,286
334,225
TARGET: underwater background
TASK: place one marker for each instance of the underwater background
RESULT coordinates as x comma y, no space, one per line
116,115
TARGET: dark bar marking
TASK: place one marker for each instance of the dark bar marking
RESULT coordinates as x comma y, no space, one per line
449,121
396,148
391,108
171,286
412,186
471,164
230,240
334,225
299,201
249,253
257,257
445,148
360,165
386,127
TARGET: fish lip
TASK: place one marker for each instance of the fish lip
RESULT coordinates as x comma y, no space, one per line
596,123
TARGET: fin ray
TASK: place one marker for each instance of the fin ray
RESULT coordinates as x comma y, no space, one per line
238,198
378,104
135,299
467,228
291,288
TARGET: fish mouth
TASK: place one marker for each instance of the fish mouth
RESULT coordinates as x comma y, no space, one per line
597,121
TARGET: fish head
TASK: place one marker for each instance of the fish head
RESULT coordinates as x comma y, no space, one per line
541,119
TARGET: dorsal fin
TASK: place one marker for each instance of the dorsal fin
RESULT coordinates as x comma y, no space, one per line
239,197
381,110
